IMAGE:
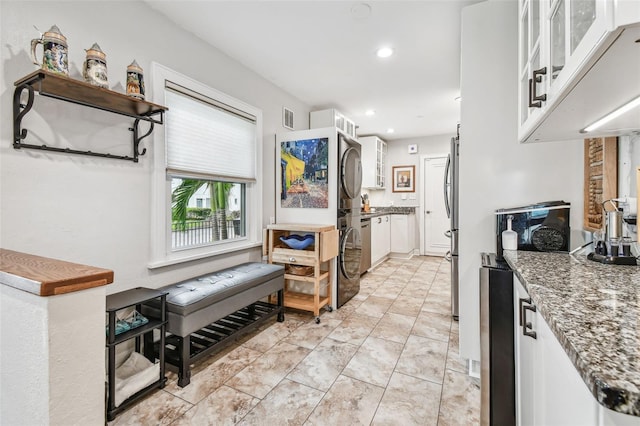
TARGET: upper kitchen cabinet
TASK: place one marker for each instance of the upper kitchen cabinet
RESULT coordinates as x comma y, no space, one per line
332,118
529,56
374,157
578,61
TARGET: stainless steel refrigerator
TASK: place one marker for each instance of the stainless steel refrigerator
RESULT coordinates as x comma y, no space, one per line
451,188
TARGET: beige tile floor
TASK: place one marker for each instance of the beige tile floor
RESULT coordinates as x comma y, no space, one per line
387,357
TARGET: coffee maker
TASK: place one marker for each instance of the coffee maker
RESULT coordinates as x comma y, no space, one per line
611,246
542,226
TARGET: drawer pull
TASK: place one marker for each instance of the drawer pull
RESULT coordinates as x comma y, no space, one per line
526,324
292,259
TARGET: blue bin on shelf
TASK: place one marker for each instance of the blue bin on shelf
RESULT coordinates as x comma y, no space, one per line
298,242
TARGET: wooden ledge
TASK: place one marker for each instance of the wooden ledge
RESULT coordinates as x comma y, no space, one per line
47,277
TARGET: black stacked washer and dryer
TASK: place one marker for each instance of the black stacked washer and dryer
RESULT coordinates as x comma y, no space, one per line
349,204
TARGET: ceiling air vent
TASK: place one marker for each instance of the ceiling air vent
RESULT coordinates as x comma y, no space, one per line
287,118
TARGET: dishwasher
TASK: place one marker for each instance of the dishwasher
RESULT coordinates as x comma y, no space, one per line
365,236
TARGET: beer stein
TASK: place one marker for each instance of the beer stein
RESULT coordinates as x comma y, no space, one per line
94,68
135,81
55,54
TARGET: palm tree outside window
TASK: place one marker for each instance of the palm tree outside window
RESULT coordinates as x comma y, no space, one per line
194,226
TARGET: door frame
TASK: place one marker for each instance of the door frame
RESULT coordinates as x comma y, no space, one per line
423,174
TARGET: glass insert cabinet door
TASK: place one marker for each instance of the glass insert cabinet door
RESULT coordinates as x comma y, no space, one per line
570,20
530,52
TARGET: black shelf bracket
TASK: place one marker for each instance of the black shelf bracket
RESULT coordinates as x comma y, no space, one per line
137,138
20,109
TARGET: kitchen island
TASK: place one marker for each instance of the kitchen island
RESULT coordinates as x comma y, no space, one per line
593,311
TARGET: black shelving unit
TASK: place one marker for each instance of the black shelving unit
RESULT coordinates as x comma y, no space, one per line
128,299
79,92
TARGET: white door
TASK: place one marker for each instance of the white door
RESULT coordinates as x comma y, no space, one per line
434,215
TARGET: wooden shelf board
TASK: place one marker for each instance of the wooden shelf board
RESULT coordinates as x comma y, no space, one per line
47,277
298,227
306,278
80,92
303,301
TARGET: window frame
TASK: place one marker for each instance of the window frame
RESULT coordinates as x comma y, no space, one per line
162,253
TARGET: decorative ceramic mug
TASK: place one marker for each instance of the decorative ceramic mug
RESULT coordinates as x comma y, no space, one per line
135,81
94,69
55,53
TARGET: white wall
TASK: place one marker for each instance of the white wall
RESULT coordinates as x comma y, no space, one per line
398,155
93,210
495,170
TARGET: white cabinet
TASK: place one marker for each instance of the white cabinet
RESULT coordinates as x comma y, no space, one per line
332,118
402,235
530,29
380,238
374,157
527,397
559,42
549,390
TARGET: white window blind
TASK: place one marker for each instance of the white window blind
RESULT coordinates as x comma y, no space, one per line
206,138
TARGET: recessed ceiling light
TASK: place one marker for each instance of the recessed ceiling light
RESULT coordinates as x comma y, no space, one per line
384,52
390,130
370,112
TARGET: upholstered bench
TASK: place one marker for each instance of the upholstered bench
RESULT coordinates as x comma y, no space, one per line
208,312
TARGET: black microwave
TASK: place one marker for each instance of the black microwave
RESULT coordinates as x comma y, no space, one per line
540,227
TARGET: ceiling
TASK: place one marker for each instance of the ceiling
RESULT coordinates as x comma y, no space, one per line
324,54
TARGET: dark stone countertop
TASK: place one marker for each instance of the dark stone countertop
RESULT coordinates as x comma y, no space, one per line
594,311
382,211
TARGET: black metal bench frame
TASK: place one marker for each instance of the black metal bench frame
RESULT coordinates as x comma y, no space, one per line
181,352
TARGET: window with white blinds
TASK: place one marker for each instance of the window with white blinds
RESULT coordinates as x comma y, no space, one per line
207,175
208,139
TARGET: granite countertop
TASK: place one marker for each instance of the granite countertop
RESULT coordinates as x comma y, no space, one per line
382,211
594,311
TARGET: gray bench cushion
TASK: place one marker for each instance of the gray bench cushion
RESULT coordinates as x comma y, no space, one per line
195,303
194,294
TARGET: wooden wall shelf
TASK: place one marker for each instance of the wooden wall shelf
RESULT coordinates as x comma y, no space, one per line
79,92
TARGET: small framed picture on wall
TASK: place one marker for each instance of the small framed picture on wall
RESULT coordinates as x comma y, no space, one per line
404,178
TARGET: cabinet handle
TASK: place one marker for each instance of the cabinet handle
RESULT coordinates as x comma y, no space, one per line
292,259
527,325
520,302
535,100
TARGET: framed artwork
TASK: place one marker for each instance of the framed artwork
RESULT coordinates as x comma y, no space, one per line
404,178
304,173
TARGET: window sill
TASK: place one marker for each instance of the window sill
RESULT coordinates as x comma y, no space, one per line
188,256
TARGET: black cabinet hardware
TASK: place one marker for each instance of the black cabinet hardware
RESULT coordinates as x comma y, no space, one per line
535,100
526,325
